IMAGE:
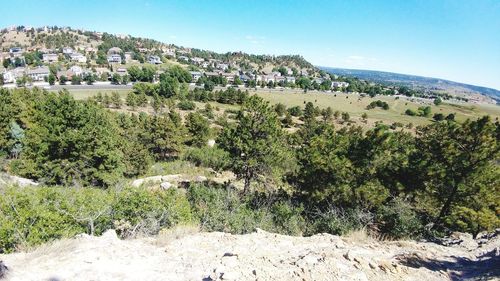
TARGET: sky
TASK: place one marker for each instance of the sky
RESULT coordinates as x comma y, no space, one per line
457,40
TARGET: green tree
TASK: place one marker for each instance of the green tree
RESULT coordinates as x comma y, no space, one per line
456,163
438,101
255,143
52,79
131,100
116,100
199,129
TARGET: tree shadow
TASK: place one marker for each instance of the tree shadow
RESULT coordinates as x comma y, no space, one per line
485,267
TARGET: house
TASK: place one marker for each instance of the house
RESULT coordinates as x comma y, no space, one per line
49,58
154,60
114,51
12,75
77,57
184,58
38,74
121,71
290,79
169,53
222,66
337,84
115,58
229,77
67,50
197,60
16,51
205,64
245,78
195,75
76,70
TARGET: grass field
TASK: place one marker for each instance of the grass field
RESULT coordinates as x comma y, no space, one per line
354,104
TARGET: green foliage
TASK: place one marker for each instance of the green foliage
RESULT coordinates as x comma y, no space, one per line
378,103
255,143
210,157
199,129
398,220
186,105
338,221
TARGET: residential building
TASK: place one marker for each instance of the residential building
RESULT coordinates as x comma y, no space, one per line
197,60
195,75
76,70
154,60
169,53
115,58
222,66
184,58
290,79
38,74
49,58
114,51
67,50
16,50
121,71
12,75
77,57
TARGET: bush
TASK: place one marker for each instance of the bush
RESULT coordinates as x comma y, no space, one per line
31,216
186,105
399,220
210,157
338,221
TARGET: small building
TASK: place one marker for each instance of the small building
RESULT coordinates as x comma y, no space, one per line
114,51
67,50
184,58
222,66
121,71
115,58
195,75
49,58
12,75
154,60
77,57
169,53
197,60
16,50
38,74
76,70
290,79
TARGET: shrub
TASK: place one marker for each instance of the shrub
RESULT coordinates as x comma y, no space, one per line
210,157
338,221
186,105
399,220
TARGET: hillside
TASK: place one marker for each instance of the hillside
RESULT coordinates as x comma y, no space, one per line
187,255
428,83
95,45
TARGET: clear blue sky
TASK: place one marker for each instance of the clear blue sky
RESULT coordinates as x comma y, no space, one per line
451,39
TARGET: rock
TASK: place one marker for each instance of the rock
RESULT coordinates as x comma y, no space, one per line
171,178
464,240
3,270
166,185
22,182
200,179
211,143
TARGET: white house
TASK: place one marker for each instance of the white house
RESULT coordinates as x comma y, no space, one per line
184,58
39,73
222,66
195,75
77,57
75,69
197,60
16,51
48,58
290,79
169,53
114,58
114,51
67,50
12,75
337,84
154,60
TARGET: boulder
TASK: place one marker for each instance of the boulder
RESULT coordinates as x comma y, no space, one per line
3,270
22,182
211,143
166,185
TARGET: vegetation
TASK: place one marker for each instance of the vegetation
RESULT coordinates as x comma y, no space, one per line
319,177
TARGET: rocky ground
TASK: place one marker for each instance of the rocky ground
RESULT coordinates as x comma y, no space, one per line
189,255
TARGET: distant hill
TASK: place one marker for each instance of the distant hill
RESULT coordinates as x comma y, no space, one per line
414,81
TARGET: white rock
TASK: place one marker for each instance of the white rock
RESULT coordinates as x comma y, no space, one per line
165,185
211,143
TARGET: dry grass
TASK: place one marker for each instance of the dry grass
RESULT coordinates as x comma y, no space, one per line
168,235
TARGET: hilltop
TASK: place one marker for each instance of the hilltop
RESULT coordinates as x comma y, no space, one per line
414,81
